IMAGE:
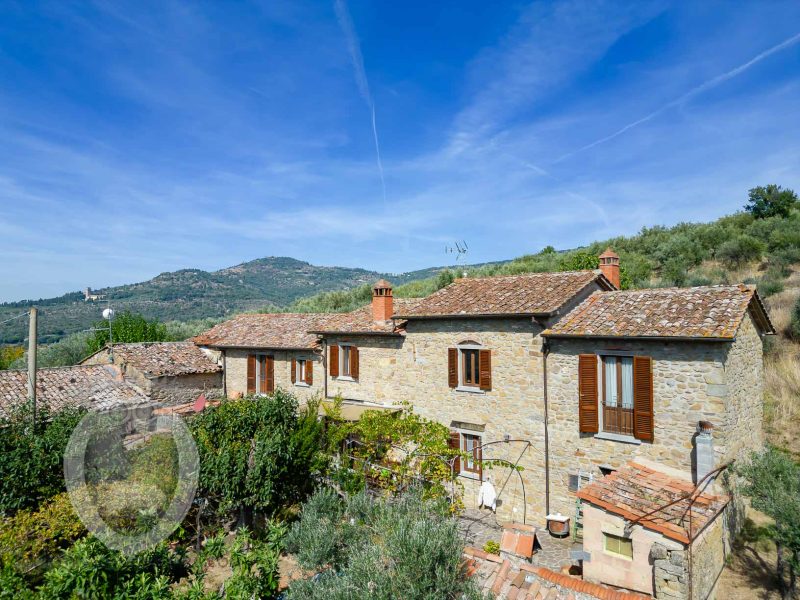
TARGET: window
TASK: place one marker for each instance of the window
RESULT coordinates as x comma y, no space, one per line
618,545
469,367
471,445
470,372
260,374
344,369
300,371
618,394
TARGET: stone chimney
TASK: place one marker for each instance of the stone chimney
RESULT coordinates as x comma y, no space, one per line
704,450
382,302
609,265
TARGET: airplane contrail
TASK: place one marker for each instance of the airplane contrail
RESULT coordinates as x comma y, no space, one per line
346,23
711,83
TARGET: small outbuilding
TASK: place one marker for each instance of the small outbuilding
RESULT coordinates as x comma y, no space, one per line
168,372
652,532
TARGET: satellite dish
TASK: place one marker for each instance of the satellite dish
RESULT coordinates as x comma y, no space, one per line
108,314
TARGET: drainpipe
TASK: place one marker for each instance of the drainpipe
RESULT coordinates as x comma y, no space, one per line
545,352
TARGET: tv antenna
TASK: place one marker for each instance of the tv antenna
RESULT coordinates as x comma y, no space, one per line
459,249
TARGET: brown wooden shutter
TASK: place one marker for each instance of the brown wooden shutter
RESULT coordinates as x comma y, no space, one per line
270,374
587,394
251,374
452,367
485,369
454,442
294,371
333,359
309,371
643,427
353,362
479,457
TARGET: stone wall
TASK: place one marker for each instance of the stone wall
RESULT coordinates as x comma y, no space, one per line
743,387
378,373
686,389
180,389
236,372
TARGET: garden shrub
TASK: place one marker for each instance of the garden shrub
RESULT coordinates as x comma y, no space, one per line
407,547
32,536
794,323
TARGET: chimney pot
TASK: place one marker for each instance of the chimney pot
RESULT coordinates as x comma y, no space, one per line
382,301
609,265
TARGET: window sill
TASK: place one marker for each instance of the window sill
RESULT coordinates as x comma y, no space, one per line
469,475
616,437
301,384
469,389
344,378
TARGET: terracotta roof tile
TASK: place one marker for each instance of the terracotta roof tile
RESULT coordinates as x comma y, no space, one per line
529,294
702,312
271,330
361,320
165,358
90,386
635,490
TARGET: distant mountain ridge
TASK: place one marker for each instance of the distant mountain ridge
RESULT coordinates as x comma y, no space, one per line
190,294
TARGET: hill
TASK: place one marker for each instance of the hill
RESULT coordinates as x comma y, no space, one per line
191,294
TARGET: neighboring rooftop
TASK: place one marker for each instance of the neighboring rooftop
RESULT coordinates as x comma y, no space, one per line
635,491
270,330
89,386
157,359
532,294
710,312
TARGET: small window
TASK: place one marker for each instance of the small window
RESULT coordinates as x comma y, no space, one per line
300,371
344,358
264,377
471,445
470,368
618,545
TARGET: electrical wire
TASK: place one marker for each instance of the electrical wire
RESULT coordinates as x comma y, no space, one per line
12,318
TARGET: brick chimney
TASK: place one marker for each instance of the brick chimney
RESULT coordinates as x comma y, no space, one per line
382,302
609,265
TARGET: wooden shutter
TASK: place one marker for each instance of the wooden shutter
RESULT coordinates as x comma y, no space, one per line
353,362
269,378
454,442
333,359
309,371
452,367
587,393
294,371
643,427
478,453
251,374
485,369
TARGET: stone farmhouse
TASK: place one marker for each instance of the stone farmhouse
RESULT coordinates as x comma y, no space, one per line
562,374
170,373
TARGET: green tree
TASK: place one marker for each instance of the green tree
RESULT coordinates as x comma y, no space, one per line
31,459
579,261
740,250
772,482
127,327
256,453
770,201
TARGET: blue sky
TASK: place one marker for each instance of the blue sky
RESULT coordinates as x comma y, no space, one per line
144,137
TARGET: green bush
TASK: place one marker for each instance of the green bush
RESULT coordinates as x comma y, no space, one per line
769,201
492,547
794,323
32,536
740,250
31,460
377,548
127,327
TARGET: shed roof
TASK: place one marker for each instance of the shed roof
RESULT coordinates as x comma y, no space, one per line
637,492
531,294
270,330
709,312
89,386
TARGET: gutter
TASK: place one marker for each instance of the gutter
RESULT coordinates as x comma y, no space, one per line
651,338
479,316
